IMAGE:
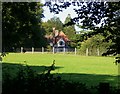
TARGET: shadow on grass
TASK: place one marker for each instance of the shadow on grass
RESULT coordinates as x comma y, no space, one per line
13,67
88,79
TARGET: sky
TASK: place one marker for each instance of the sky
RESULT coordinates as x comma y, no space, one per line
61,15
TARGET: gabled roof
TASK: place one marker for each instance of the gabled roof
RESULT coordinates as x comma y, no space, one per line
63,36
56,35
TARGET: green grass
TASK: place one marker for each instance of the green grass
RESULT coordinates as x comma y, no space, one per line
87,69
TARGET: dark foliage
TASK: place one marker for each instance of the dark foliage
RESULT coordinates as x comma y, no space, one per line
21,25
28,81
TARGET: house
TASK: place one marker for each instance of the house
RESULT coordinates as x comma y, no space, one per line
58,40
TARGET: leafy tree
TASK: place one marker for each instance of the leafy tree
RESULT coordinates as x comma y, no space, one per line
69,30
94,44
53,22
21,24
78,39
101,17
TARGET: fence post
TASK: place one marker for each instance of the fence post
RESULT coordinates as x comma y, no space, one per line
64,50
87,52
53,50
75,51
98,52
21,49
42,50
32,49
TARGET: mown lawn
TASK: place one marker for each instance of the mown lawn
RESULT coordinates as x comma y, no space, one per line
86,69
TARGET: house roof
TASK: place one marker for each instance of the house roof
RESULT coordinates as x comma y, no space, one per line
57,35
63,36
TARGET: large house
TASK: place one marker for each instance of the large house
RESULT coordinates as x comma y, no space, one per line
58,40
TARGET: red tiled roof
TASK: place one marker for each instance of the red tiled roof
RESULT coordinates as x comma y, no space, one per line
56,35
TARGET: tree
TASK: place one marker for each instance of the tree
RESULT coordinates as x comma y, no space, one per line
53,22
21,25
94,44
101,17
70,31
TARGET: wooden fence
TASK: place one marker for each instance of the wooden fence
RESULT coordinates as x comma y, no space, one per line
53,50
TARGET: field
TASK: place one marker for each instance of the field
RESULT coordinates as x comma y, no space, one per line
86,69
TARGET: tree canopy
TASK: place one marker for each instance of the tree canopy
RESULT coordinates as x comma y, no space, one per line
53,22
69,30
21,24
101,17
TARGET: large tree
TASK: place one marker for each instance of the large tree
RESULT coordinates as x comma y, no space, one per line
21,24
101,17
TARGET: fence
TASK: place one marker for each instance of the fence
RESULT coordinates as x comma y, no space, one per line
86,52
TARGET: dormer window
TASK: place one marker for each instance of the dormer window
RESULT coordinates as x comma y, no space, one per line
61,43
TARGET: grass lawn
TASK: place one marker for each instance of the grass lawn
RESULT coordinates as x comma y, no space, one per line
86,69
